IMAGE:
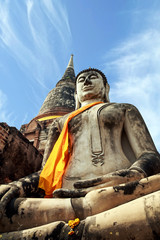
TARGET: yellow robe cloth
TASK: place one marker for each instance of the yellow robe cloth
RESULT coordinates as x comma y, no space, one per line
52,173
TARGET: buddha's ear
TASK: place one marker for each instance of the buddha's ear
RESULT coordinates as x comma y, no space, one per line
107,87
77,103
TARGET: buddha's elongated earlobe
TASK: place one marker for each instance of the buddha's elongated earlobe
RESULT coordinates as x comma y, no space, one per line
107,93
78,105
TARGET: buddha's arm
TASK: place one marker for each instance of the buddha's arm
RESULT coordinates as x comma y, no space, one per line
148,159
53,135
24,187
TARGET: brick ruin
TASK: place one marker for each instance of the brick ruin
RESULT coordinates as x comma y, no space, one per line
18,157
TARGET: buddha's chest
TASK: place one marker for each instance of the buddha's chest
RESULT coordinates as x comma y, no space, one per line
95,142
98,118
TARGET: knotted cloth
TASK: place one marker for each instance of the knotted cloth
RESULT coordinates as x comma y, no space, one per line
52,173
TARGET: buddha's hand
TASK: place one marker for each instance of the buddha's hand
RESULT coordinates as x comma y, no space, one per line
7,193
67,193
82,187
110,179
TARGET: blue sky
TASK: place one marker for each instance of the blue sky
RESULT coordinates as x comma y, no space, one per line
120,37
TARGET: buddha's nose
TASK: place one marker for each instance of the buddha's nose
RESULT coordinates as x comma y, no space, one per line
87,81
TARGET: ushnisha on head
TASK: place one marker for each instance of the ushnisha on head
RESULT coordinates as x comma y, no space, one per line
91,85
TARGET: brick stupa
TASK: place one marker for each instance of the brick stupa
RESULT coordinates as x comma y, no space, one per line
59,101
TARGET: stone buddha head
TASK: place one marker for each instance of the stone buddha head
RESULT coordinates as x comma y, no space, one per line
91,84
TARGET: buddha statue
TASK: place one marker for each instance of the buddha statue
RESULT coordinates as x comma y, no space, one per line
97,159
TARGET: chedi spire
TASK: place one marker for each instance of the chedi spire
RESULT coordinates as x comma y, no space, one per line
69,74
60,100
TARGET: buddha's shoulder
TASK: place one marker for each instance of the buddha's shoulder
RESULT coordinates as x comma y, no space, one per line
123,106
61,120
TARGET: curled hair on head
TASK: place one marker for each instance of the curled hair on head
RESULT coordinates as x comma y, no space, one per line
96,70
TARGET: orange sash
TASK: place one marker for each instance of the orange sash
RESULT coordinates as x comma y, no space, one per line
52,173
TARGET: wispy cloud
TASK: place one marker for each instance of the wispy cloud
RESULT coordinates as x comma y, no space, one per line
25,118
55,14
10,38
3,99
36,36
5,116
32,34
135,65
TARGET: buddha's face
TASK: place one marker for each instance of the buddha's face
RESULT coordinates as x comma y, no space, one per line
90,85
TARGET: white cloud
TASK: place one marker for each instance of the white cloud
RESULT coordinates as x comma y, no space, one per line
24,119
5,116
57,14
10,38
3,99
32,35
136,67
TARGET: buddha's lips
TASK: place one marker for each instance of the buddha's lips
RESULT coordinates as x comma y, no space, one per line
89,87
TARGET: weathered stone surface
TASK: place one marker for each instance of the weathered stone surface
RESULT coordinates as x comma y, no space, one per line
50,231
61,98
18,157
42,211
138,220
100,158
58,99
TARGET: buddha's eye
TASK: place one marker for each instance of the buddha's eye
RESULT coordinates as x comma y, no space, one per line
93,77
81,79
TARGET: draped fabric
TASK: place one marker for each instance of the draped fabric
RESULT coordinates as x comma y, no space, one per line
52,173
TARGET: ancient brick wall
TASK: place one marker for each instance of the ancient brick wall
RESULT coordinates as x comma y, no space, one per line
4,131
18,157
